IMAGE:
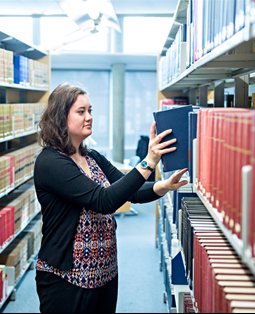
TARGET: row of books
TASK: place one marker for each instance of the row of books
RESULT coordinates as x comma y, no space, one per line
218,22
217,268
170,70
16,210
21,70
18,118
225,144
168,103
22,248
6,171
220,282
164,232
16,167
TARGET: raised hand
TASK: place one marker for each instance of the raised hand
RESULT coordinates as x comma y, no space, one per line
170,184
156,147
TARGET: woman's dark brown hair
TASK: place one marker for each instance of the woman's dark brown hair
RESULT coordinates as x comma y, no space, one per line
53,124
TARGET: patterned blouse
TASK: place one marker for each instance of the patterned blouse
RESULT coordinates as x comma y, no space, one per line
95,248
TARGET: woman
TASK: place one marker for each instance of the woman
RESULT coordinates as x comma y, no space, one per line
79,190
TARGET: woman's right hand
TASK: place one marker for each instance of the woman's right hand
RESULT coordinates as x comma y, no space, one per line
156,147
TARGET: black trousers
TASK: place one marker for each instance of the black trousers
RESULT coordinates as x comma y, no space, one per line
56,295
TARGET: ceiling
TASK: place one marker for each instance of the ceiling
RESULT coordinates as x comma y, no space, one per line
49,7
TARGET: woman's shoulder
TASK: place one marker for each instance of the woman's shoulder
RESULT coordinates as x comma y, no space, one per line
50,154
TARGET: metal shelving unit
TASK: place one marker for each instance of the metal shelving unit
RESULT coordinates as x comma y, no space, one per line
216,64
21,93
10,43
12,137
11,290
179,17
225,63
14,236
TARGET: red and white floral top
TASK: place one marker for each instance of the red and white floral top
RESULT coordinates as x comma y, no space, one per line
95,247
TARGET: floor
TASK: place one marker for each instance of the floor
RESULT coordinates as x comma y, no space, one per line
140,280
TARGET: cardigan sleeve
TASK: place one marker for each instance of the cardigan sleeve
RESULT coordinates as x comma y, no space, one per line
145,193
58,174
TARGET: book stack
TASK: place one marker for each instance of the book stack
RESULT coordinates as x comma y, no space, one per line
5,120
168,103
177,195
187,303
2,78
28,110
6,223
238,300
195,218
23,162
15,255
17,111
7,174
21,69
34,234
217,267
8,66
23,203
224,147
38,73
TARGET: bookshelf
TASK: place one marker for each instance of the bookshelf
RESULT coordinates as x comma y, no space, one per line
208,57
24,90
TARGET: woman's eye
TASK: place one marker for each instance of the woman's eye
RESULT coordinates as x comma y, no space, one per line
81,112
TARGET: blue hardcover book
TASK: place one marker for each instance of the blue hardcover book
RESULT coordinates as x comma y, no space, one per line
176,119
16,69
192,135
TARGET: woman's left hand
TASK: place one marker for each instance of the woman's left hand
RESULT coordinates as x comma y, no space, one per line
170,184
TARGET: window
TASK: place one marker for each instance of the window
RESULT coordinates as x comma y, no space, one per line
140,102
145,35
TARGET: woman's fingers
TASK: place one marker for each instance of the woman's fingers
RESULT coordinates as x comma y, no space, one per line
161,135
178,174
167,143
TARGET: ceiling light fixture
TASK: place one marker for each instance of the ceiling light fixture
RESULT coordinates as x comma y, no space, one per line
91,14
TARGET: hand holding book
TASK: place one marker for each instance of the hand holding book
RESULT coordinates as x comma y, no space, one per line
156,149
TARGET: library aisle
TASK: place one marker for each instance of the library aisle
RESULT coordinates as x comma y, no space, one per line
140,281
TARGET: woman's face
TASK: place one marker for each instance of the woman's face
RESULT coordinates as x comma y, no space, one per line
79,119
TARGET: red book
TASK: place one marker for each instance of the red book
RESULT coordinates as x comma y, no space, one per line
232,299
224,281
244,158
248,306
11,210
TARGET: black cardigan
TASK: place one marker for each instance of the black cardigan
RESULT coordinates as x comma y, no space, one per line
63,190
